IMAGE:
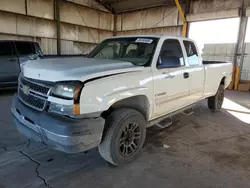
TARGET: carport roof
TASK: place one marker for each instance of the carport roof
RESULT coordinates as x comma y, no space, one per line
119,6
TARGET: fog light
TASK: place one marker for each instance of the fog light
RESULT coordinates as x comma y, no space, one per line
61,109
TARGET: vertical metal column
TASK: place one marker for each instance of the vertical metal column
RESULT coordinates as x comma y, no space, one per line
240,47
58,25
115,25
183,18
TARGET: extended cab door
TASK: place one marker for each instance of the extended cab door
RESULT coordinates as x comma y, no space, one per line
9,65
196,71
171,79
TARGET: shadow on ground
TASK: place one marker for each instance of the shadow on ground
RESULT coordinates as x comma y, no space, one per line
203,150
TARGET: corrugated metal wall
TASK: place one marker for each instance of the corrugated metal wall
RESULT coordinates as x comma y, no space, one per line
219,52
163,20
245,73
82,27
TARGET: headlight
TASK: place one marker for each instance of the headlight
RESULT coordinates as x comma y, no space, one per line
70,91
67,91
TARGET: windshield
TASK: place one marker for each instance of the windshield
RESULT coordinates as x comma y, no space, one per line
137,50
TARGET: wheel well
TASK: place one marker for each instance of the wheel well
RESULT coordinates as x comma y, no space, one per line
223,81
139,103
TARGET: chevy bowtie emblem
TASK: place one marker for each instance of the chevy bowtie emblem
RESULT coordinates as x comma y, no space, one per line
26,90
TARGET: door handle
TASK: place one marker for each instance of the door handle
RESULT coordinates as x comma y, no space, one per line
186,75
168,76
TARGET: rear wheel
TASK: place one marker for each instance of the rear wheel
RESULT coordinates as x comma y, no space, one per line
124,136
215,102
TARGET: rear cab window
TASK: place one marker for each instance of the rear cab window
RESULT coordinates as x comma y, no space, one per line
192,54
24,48
6,48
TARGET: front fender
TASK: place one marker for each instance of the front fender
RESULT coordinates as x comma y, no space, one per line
100,95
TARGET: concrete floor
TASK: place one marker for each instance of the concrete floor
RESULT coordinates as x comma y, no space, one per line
205,150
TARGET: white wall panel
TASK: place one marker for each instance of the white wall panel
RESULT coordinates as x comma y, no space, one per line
17,6
105,35
22,25
88,35
8,23
14,37
82,48
202,6
67,47
69,32
41,8
106,21
172,31
89,3
80,15
245,75
35,27
83,34
213,15
219,52
152,18
248,11
49,46
77,48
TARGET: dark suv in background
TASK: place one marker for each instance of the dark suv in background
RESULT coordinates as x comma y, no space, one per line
13,55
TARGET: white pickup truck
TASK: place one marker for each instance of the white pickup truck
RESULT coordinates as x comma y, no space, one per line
108,99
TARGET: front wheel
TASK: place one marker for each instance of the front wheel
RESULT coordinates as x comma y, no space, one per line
124,136
215,102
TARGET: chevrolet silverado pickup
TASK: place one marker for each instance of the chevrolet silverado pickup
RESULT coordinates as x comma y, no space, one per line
126,84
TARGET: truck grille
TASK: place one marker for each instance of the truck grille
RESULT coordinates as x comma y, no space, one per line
33,94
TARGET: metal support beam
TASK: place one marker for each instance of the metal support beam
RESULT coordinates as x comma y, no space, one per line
240,48
107,6
115,25
26,7
183,18
58,25
187,11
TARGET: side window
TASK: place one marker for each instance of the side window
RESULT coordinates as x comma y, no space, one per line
171,55
5,49
192,55
24,48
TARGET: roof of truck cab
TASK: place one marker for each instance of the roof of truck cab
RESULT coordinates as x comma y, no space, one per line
149,36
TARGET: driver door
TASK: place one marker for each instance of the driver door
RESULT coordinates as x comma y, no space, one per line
171,79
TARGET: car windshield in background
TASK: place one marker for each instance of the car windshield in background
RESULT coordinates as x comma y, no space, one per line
137,50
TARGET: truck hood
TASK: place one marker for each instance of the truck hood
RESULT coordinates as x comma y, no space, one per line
80,68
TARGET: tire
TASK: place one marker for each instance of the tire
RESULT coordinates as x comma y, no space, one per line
123,127
215,102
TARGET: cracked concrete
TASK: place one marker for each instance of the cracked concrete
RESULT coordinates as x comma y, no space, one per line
37,172
206,150
38,164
